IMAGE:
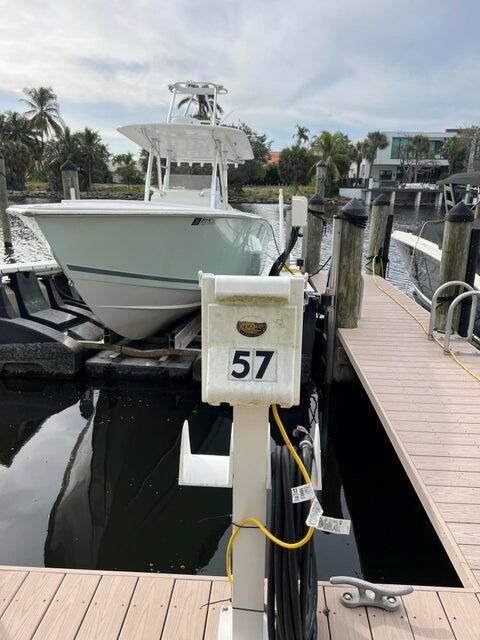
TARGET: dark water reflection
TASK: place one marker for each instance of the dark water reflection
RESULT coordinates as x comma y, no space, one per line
88,479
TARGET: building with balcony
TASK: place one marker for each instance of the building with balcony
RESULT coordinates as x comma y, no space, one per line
392,166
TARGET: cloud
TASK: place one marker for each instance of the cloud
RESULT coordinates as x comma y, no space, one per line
346,65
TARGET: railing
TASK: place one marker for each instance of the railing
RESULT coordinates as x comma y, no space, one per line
470,293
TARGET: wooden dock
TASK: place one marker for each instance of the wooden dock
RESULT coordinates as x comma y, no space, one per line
430,409
59,604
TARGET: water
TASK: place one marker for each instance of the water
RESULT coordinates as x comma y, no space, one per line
405,219
88,475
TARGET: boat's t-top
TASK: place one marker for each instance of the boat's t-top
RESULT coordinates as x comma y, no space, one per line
193,140
204,95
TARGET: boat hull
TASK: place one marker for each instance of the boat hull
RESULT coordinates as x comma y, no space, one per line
139,272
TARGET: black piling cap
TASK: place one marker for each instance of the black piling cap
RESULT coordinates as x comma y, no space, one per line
381,200
460,213
355,213
316,203
68,166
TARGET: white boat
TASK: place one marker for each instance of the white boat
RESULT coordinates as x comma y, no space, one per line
423,254
136,263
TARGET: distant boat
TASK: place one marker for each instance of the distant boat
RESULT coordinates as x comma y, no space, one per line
136,263
427,250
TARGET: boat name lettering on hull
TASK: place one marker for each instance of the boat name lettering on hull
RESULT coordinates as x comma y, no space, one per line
201,221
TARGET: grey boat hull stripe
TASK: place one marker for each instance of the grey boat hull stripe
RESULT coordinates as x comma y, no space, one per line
127,274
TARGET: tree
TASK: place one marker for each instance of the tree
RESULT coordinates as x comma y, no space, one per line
71,146
251,171
126,168
18,161
358,153
375,140
19,145
272,176
334,150
43,112
415,154
455,150
93,153
295,165
301,135
470,136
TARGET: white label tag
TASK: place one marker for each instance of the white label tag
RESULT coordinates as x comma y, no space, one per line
334,525
314,514
302,493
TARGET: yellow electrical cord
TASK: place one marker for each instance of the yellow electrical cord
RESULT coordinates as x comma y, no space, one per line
425,330
255,521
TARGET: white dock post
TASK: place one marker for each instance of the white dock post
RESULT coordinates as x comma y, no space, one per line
70,182
250,436
392,199
418,199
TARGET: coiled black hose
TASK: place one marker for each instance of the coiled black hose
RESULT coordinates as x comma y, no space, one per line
292,574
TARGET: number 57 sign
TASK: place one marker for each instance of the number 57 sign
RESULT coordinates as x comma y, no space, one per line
258,365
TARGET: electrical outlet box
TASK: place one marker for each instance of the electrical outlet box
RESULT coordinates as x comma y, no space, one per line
251,339
299,211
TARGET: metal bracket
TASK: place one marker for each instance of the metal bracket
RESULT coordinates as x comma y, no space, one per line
368,594
326,299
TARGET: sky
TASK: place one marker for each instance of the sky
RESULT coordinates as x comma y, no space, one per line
347,65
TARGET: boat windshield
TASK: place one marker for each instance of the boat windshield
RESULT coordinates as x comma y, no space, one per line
190,181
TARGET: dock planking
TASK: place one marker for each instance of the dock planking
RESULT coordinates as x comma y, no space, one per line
50,604
429,407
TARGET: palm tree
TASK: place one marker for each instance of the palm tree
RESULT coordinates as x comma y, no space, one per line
419,149
91,150
14,126
333,149
375,140
359,151
126,168
301,135
43,112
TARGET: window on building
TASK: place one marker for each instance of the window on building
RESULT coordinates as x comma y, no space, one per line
436,147
397,144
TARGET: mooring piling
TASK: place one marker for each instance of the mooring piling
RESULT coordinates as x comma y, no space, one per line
316,207
7,232
349,230
453,265
471,272
70,183
376,236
